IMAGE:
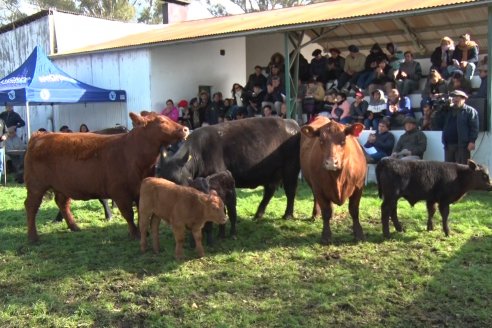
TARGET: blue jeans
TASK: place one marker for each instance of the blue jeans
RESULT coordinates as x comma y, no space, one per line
368,123
378,156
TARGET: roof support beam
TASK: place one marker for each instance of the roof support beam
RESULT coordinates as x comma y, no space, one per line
320,36
413,36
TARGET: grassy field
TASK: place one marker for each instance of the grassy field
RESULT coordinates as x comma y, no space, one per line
276,274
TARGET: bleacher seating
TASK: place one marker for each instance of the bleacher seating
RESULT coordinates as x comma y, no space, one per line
434,152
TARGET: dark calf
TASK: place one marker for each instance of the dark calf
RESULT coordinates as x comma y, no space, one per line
434,182
223,183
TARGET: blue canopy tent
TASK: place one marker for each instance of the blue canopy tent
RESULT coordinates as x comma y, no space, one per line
38,81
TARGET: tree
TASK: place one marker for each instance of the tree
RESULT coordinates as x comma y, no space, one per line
10,11
255,5
123,10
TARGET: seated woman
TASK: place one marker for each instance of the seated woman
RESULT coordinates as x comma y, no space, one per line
435,89
398,108
375,110
341,110
442,57
170,111
83,128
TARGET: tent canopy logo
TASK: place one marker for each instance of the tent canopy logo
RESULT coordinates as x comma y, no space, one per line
11,94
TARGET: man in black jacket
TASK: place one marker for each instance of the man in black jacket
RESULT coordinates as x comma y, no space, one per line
3,137
459,124
11,118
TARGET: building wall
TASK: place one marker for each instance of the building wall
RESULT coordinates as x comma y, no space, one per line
177,71
128,70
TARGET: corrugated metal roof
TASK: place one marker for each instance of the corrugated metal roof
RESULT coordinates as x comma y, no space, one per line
293,18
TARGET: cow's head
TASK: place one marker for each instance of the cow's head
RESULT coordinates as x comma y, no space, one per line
332,140
164,129
480,179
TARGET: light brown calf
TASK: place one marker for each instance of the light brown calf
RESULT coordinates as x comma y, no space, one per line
181,207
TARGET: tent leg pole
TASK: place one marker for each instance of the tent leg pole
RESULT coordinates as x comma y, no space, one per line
28,122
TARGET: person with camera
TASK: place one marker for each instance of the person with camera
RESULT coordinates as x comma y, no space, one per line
435,89
459,124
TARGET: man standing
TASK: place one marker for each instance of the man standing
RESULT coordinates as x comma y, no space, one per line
3,137
412,144
15,149
11,118
459,125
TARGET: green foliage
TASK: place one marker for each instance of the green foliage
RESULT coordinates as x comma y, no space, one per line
275,274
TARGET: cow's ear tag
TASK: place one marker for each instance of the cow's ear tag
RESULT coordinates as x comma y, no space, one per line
357,129
189,158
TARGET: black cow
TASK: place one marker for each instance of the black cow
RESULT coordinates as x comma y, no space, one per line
258,151
435,182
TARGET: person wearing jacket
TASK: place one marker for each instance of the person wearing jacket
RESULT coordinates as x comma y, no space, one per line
459,124
442,57
412,144
399,107
465,56
375,110
11,118
3,137
381,143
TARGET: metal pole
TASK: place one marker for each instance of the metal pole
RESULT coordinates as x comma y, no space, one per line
28,123
4,166
488,110
288,101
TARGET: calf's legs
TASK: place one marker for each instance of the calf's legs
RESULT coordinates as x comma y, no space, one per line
444,210
431,210
388,207
179,236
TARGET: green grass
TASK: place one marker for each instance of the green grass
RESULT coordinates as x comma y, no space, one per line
276,274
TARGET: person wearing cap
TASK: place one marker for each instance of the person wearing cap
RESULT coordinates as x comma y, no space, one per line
459,125
11,118
465,56
458,82
335,66
358,108
412,144
318,66
354,64
14,147
3,137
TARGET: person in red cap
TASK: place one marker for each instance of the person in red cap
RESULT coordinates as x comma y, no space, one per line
358,108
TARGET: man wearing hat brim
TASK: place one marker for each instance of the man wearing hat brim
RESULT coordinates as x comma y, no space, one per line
354,64
317,69
459,127
412,144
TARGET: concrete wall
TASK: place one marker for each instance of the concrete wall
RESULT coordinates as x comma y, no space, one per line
177,71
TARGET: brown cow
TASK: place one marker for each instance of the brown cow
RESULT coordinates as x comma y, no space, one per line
91,166
334,166
181,207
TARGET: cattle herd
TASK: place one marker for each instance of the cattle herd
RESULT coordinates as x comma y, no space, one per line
197,183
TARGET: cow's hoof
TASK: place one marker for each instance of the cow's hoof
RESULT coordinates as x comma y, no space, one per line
33,239
74,227
325,241
233,236
359,239
288,217
386,235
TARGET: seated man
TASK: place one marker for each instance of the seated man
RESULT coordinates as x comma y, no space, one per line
412,144
15,149
379,144
409,74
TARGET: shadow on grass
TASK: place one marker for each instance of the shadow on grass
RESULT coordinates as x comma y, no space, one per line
459,294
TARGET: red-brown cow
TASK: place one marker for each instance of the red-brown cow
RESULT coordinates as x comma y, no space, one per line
181,207
91,166
334,166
